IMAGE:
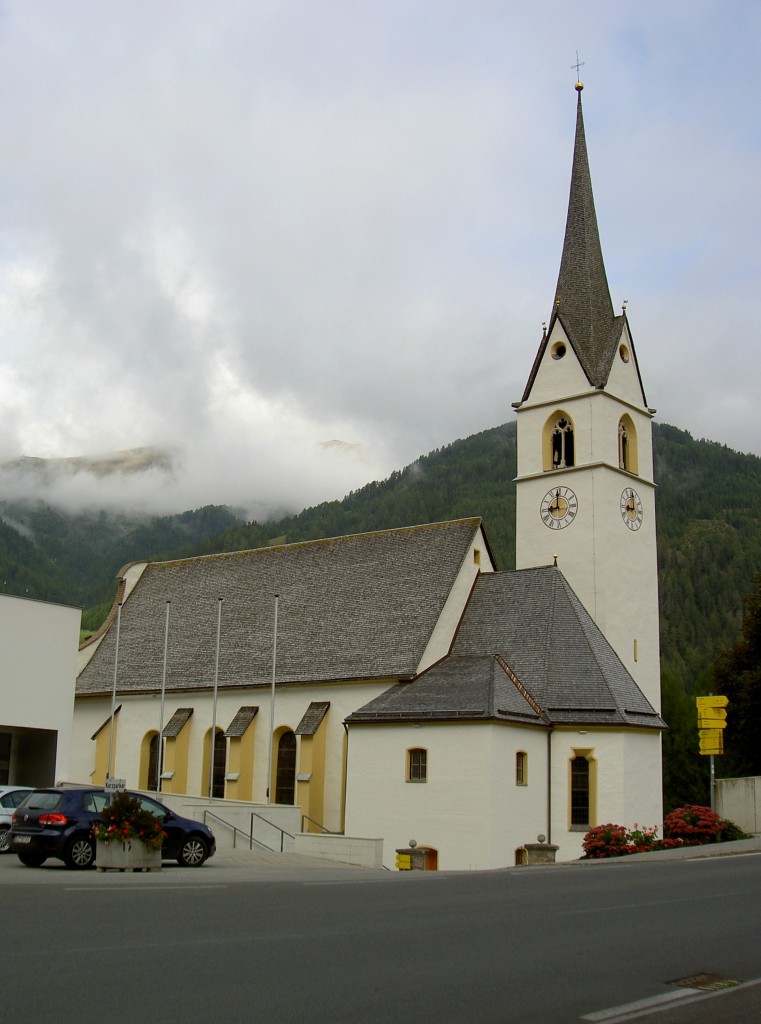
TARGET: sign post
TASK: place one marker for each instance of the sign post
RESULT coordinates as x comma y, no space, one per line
712,721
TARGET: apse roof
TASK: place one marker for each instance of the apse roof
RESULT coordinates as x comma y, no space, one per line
527,650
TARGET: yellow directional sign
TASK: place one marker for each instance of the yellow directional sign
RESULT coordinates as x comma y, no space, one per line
712,718
403,862
711,741
713,701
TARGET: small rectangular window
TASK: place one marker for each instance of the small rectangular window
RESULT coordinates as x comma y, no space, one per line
417,765
476,556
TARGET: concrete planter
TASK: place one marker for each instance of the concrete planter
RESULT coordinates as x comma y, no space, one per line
126,857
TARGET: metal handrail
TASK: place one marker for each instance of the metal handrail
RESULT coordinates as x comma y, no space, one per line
327,831
236,830
282,831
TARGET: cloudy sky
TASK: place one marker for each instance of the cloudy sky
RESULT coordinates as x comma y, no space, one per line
243,229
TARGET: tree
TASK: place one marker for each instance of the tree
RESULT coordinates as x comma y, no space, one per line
737,675
685,771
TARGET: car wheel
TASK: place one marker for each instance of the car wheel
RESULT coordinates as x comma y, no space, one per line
32,860
193,852
5,839
79,854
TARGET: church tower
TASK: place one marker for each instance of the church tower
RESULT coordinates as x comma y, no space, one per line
585,491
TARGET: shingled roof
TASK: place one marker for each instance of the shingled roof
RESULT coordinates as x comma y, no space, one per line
582,296
527,650
357,607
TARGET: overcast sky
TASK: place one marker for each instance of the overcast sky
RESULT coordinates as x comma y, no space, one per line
245,228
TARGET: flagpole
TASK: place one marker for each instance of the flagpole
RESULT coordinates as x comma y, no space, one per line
214,704
160,750
272,703
113,692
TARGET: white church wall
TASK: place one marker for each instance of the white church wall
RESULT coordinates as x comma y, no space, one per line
469,810
519,810
626,786
643,798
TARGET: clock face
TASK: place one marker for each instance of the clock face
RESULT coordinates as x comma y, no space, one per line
631,509
558,508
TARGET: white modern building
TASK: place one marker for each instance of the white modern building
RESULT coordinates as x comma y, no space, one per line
39,644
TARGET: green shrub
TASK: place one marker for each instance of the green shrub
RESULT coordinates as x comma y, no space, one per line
731,832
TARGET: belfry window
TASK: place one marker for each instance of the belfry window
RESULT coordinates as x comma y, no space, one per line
562,444
623,446
627,445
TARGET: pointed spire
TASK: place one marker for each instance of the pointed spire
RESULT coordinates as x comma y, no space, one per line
582,297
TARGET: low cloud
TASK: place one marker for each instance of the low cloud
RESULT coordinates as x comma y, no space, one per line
240,234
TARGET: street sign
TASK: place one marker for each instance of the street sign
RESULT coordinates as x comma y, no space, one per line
712,701
712,718
115,785
711,741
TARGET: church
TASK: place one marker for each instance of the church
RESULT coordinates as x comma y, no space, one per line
398,685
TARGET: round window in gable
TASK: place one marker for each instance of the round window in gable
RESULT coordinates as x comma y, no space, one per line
558,350
623,351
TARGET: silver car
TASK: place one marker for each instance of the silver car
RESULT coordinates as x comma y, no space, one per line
10,798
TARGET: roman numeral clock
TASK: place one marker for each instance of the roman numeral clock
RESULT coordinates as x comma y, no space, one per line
558,508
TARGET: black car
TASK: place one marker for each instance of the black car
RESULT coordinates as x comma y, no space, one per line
58,823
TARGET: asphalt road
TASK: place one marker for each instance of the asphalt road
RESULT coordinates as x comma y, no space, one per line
239,941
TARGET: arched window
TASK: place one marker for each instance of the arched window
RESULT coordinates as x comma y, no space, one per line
150,769
285,776
417,764
558,448
218,773
627,445
521,768
582,790
154,768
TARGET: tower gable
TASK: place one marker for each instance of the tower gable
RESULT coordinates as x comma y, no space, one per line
557,369
624,379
